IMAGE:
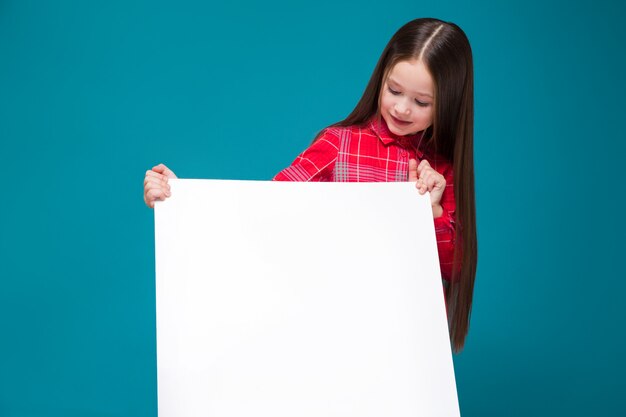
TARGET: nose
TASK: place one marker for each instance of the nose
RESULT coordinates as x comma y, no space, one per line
402,107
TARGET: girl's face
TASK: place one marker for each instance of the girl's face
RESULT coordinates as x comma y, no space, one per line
407,97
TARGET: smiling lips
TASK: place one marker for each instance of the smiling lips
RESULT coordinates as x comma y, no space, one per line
400,122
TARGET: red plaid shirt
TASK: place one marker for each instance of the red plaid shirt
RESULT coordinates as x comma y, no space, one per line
372,153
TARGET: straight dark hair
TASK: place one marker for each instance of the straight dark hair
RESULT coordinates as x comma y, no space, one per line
445,50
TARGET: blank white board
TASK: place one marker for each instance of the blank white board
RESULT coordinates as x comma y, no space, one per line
279,299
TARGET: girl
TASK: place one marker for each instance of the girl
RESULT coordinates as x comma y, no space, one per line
414,122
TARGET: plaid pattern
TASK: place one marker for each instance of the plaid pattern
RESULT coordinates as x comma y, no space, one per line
372,153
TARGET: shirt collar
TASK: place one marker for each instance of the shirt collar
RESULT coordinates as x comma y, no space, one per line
380,128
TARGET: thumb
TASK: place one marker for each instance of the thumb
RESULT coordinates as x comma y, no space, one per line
162,169
412,170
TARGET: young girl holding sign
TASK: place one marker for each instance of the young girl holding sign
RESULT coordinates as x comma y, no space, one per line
414,122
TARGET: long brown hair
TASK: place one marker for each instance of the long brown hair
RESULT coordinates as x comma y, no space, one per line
446,52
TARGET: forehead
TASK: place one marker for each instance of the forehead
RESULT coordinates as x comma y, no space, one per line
412,77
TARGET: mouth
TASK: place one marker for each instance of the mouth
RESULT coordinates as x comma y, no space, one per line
399,122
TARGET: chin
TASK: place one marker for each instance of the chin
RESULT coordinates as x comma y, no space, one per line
399,132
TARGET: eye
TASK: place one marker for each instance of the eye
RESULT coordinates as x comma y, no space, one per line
421,103
394,92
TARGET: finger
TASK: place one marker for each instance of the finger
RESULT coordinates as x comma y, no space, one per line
431,181
425,172
435,180
148,203
152,194
155,194
157,188
153,174
420,186
159,168
422,166
413,170
156,184
426,176
162,169
156,181
439,181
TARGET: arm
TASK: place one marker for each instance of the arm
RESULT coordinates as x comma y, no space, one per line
316,163
445,230
439,182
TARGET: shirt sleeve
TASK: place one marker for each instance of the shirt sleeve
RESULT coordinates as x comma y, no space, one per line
445,227
316,163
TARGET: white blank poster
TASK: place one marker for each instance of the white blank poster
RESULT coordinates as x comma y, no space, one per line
279,299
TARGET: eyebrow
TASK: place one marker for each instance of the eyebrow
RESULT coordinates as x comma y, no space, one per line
400,85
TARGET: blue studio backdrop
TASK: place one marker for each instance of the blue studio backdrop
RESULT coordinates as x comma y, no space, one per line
92,94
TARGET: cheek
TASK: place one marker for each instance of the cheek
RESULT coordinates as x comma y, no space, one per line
425,116
382,101
386,101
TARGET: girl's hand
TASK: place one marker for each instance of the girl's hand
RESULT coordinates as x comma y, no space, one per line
427,179
155,186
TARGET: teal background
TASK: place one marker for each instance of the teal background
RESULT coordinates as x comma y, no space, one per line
92,95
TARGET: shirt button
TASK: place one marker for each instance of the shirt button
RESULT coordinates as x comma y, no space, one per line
403,153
